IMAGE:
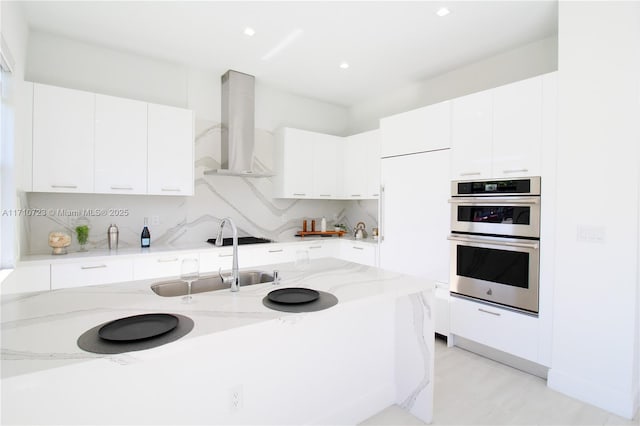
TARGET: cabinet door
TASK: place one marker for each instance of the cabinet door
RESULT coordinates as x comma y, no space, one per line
63,124
90,272
170,150
358,252
419,130
415,217
471,136
372,160
120,146
517,128
160,266
355,180
327,166
293,163
508,331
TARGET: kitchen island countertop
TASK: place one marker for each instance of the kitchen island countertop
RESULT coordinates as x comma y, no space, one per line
40,330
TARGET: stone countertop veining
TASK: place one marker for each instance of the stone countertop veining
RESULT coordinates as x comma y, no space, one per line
40,330
166,250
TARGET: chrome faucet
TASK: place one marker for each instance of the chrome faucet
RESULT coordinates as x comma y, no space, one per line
234,278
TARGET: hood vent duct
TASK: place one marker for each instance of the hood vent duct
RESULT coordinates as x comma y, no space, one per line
238,126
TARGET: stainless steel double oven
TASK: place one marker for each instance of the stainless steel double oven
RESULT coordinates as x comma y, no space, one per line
495,241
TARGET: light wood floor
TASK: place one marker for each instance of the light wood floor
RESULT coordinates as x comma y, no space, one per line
473,390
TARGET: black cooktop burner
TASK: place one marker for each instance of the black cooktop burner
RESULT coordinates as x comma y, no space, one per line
241,241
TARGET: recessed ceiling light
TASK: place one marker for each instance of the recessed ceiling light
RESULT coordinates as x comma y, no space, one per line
443,11
344,65
249,31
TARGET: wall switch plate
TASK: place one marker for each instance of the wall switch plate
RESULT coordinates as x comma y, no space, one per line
236,398
590,234
155,220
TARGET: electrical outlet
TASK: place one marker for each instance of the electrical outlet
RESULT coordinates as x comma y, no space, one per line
155,220
235,398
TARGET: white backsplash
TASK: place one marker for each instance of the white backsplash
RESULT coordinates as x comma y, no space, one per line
183,220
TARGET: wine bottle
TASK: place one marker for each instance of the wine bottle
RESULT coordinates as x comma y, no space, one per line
145,238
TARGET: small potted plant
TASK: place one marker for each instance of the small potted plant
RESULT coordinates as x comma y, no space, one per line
340,227
82,233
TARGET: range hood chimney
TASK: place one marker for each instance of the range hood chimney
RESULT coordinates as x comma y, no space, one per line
238,126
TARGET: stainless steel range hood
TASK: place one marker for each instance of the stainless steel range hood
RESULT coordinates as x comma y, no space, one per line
238,126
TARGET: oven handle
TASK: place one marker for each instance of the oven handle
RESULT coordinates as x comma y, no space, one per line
491,201
532,245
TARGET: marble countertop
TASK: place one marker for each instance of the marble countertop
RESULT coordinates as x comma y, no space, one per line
167,249
40,330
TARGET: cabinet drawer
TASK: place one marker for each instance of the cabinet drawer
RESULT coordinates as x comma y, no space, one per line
319,250
270,255
82,274
160,266
505,330
353,251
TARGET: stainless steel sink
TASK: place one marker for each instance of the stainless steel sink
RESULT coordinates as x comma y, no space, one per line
179,288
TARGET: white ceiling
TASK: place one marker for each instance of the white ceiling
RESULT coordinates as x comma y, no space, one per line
387,44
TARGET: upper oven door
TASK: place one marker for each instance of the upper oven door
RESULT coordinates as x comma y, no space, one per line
509,216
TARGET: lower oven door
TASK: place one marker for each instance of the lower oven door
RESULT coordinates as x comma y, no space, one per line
503,271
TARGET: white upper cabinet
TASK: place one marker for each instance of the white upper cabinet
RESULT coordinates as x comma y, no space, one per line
170,150
293,163
371,157
419,130
498,133
92,143
63,126
517,128
355,166
327,166
120,127
320,166
471,136
362,166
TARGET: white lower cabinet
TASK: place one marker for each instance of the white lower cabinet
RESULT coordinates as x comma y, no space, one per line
93,272
159,266
359,252
267,254
508,331
320,249
222,259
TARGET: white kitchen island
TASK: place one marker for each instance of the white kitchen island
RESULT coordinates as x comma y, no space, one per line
243,363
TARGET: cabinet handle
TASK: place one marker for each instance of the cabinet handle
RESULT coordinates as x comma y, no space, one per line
325,195
170,189
225,255
358,248
356,195
127,188
315,247
470,174
299,194
375,195
516,171
93,267
276,251
173,259
489,312
65,186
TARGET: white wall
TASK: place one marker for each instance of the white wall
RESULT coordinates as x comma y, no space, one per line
15,33
533,59
595,337
69,63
